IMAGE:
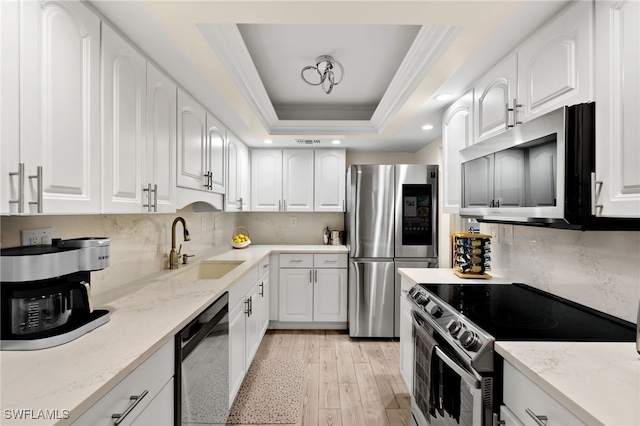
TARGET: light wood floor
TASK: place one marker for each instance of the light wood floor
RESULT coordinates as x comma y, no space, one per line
348,382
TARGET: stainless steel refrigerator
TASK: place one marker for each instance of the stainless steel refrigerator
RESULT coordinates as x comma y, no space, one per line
391,222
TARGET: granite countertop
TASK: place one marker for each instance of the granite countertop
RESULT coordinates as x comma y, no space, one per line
143,316
599,382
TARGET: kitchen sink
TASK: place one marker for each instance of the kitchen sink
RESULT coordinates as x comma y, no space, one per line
209,270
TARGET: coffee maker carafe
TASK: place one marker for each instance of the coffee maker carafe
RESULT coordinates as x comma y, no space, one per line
46,292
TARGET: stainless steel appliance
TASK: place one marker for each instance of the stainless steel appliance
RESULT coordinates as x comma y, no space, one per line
46,292
202,367
456,377
539,173
391,222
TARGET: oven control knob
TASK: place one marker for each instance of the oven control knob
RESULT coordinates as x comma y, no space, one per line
454,327
433,309
468,339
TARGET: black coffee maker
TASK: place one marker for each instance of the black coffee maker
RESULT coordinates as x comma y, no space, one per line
46,292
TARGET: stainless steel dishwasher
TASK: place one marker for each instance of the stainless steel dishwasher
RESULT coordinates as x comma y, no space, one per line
202,368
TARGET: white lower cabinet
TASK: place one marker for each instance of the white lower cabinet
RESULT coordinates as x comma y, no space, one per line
248,321
406,339
529,403
313,288
152,385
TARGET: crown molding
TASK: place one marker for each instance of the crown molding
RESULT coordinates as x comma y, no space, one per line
429,45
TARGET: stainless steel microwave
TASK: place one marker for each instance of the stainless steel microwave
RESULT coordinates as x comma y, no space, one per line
537,173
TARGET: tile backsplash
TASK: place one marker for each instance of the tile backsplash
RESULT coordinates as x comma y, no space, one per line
140,243
275,228
600,269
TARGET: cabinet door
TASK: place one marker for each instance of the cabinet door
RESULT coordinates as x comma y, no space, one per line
297,180
406,344
330,180
124,129
477,177
253,325
232,195
266,180
161,138
60,105
509,178
330,295
497,89
264,304
618,107
554,65
192,143
244,177
296,295
237,337
9,104
456,135
216,136
159,412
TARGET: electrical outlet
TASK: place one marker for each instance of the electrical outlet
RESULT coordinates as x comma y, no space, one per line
506,234
32,237
494,232
294,222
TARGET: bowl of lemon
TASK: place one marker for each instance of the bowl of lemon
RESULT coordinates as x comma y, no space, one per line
240,240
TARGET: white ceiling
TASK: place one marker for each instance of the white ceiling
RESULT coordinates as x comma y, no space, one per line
242,61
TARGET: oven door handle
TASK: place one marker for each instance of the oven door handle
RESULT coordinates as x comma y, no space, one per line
473,379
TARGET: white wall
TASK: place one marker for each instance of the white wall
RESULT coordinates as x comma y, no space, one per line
140,243
600,269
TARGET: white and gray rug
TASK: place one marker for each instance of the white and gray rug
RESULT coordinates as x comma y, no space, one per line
270,394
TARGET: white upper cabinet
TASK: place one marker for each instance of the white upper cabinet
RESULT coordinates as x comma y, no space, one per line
58,107
457,134
160,192
297,180
494,95
266,180
9,106
237,187
192,143
124,103
554,65
216,137
618,108
330,180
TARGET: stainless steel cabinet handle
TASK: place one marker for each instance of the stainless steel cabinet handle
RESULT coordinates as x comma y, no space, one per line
247,311
310,278
38,178
155,197
148,191
315,276
279,205
135,400
506,115
284,205
596,187
516,105
206,180
540,420
262,289
20,200
239,204
251,306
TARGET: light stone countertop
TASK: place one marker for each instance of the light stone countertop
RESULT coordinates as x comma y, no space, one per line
143,316
599,382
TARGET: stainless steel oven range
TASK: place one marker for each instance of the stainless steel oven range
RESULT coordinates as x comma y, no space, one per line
457,376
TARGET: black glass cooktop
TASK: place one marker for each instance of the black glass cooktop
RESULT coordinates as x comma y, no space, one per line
523,313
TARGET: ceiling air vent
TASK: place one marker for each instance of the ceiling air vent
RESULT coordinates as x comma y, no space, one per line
308,141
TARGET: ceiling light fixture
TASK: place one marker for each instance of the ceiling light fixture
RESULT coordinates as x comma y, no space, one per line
336,142
326,76
268,141
427,127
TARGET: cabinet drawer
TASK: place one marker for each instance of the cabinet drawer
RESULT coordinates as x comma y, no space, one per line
263,267
242,286
520,394
292,260
330,260
150,376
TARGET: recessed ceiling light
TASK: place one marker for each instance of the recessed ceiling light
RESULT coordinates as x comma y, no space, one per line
336,142
427,127
268,141
443,97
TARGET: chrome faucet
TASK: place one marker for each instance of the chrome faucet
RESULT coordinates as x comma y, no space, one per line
173,255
